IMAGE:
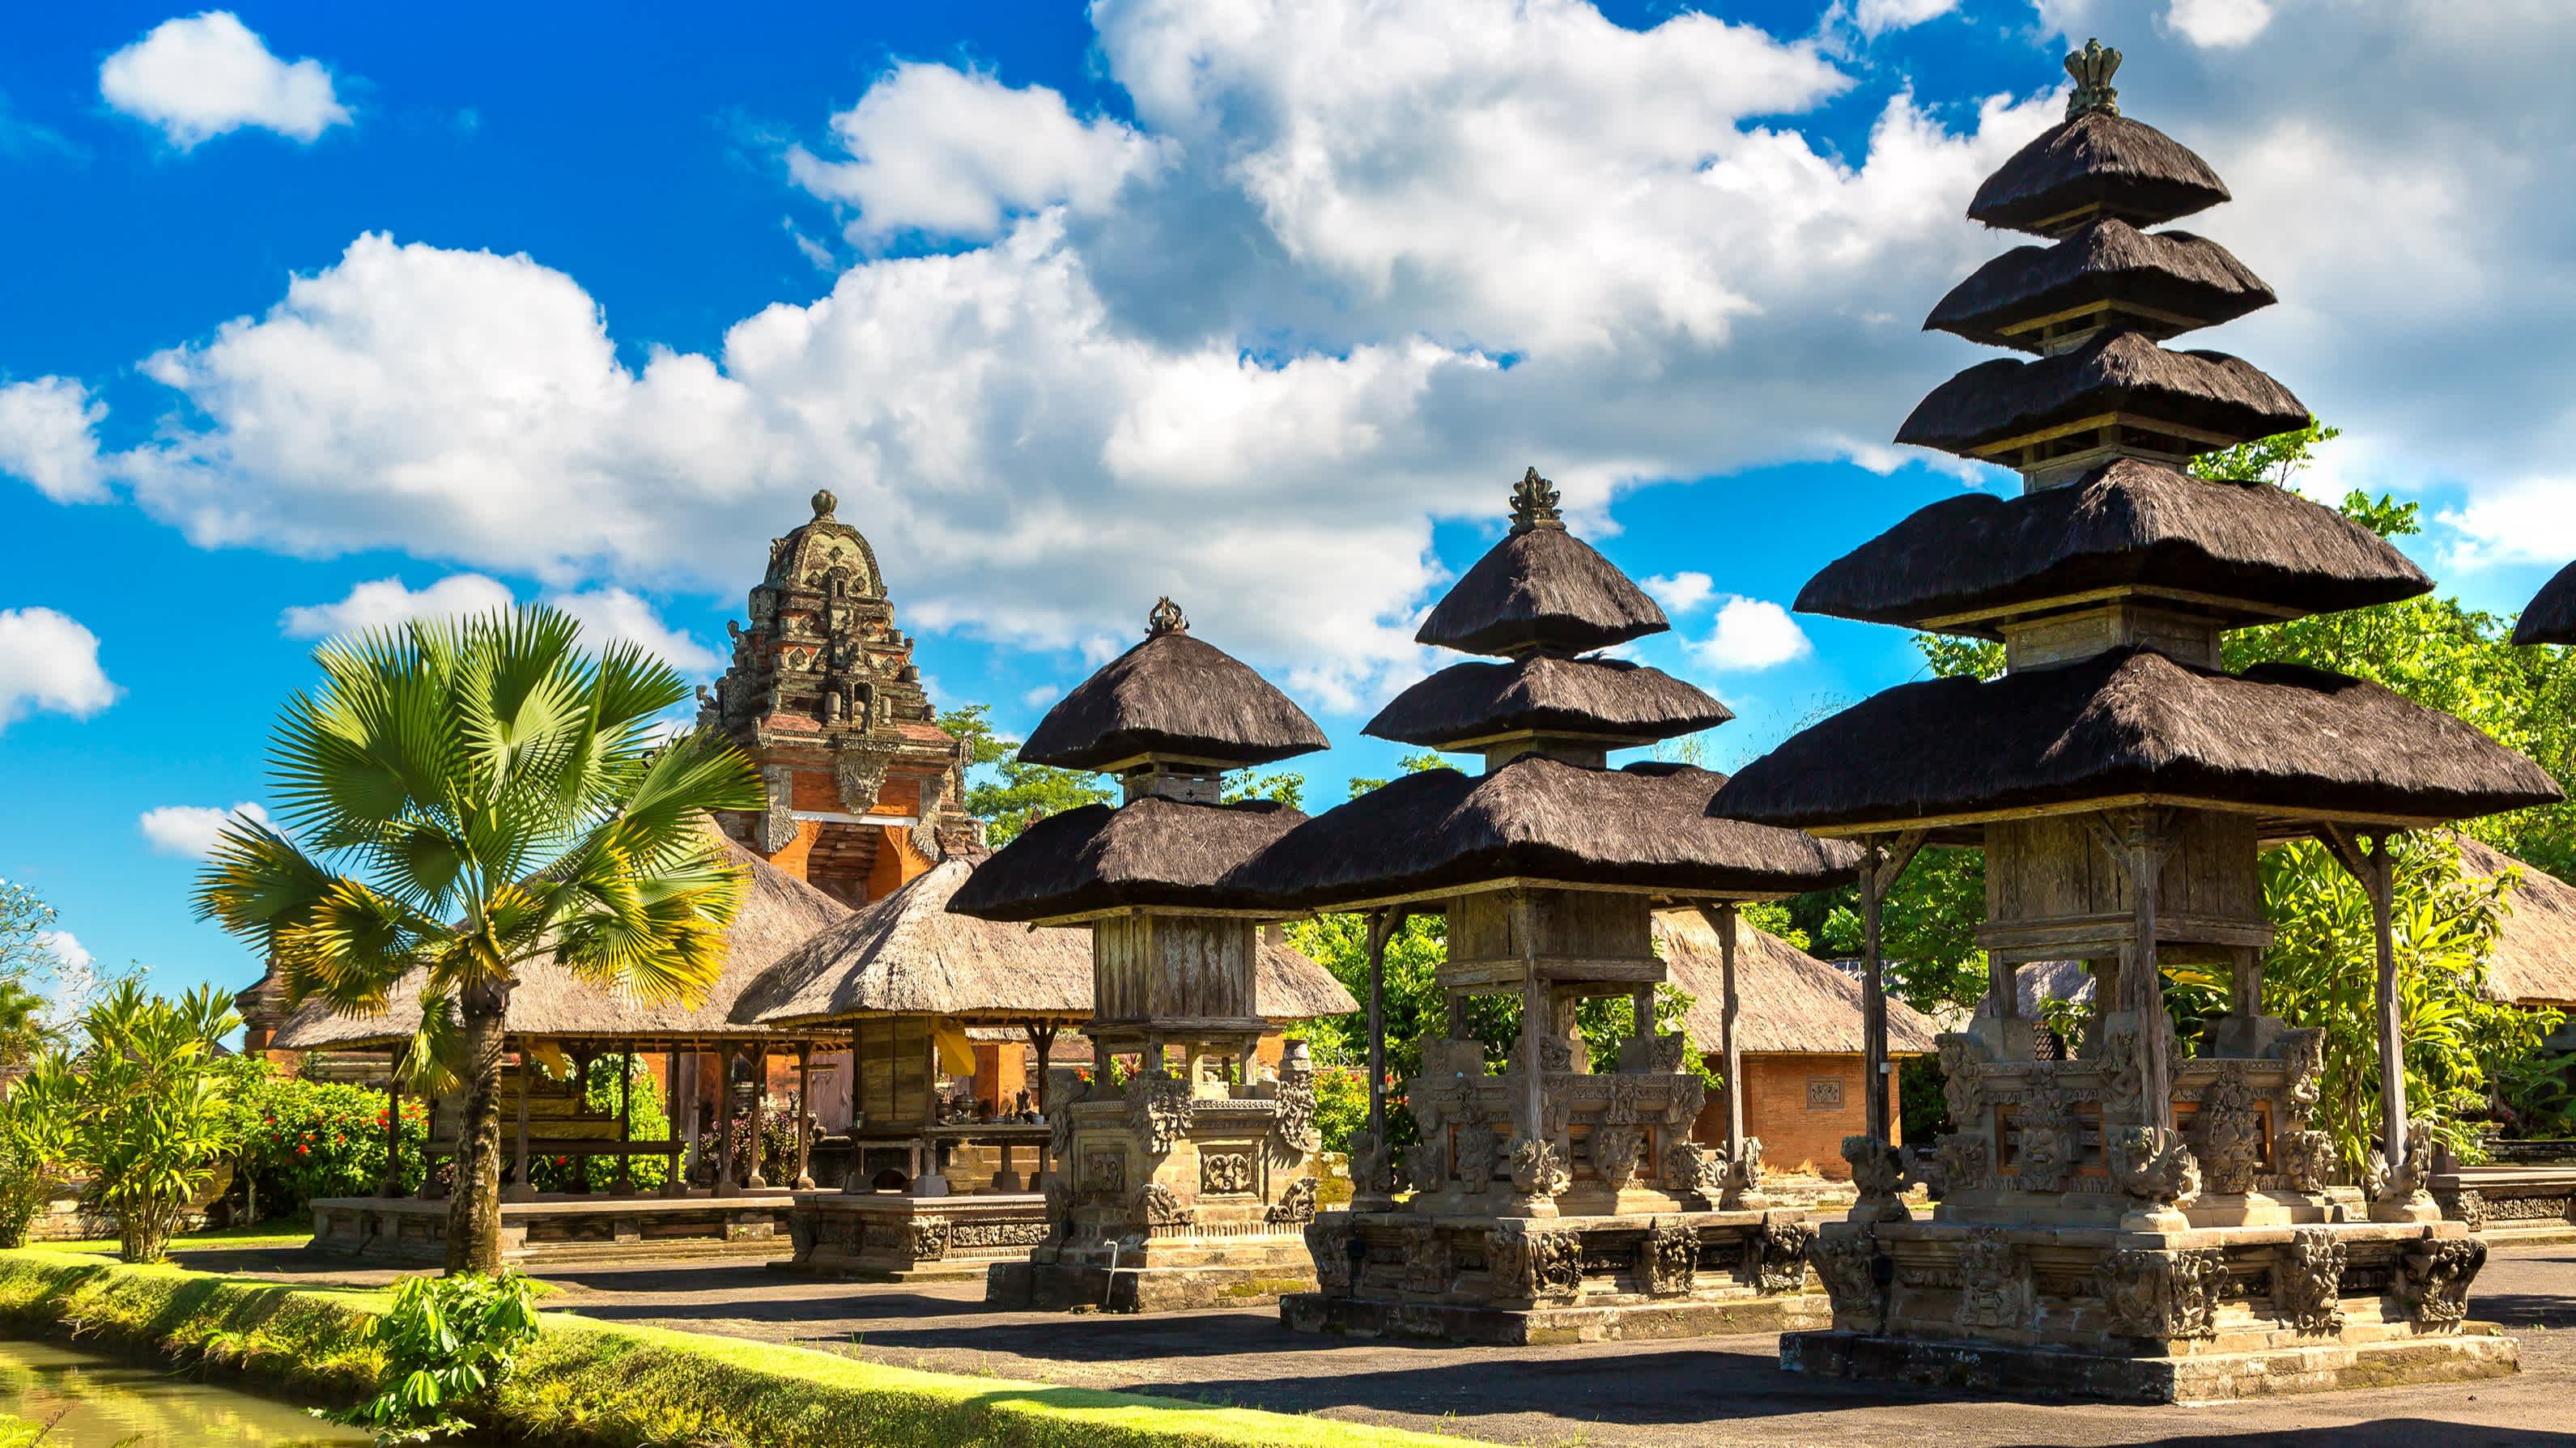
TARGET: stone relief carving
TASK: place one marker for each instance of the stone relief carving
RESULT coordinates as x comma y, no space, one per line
1668,1258
1297,1204
1104,1173
1293,1135
2154,1165
2227,1134
2306,1159
1851,1283
1537,1170
1775,1258
1426,1258
1534,1264
1059,1208
1225,1173
1964,1161
2123,1076
1368,1164
2470,1205
2154,1294
1328,1241
800,1234
2433,1280
1422,1168
995,1234
774,829
2307,1275
1878,1174
1994,1281
1691,1169
1158,1109
1744,1175
2046,1127
1157,1205
1479,1152
929,1238
1960,1058
1615,1150
2304,1053
2405,1183
859,776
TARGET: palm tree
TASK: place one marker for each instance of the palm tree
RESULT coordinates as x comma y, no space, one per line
460,798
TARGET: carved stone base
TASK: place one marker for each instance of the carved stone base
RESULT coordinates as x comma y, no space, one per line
894,1237
1524,1327
562,1230
2202,1378
1249,1273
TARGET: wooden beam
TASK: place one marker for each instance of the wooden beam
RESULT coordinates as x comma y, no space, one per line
1721,918
1883,861
2365,855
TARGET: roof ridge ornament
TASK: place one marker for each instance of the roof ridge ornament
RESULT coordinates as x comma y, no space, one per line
1166,618
2093,67
1534,502
824,503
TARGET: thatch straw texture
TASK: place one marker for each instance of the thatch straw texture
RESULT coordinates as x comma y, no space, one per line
2131,523
2128,168
2550,618
2115,372
2534,963
908,954
1789,1001
2131,721
1172,694
1541,588
1537,818
2109,260
1150,851
1588,696
779,912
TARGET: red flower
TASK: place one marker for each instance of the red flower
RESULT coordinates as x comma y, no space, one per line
303,1151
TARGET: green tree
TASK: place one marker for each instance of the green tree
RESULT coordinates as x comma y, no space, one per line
144,1095
1007,794
27,955
1410,764
468,796
1283,787
36,1145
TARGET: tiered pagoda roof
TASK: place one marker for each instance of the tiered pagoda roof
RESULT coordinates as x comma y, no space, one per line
1169,715
1546,810
2551,616
2112,575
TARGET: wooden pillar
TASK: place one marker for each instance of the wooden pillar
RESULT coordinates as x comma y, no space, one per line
522,1187
1529,1112
624,1185
1381,927
581,1099
857,1180
804,1116
1721,918
683,1114
759,1112
724,1118
1641,1011
2382,885
391,1186
1882,863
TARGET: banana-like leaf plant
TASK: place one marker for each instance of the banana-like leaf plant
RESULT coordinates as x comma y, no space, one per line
459,798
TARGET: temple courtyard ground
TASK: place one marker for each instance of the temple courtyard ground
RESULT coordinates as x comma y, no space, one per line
1717,1391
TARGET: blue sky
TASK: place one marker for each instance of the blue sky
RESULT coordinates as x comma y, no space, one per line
1261,305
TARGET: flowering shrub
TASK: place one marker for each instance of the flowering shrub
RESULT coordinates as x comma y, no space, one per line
304,1139
650,1123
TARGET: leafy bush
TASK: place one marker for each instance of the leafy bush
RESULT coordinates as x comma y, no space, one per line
447,1343
35,1151
150,1116
302,1139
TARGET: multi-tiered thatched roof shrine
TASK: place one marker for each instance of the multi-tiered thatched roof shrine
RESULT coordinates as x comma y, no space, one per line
2130,1222
1563,1195
1183,1179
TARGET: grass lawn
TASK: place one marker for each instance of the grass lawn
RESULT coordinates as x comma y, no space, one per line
258,1234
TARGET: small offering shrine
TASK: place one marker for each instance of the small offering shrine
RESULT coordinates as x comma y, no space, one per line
1183,1178
2122,1219
1559,1196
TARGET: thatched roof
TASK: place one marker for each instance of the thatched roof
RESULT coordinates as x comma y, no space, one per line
1172,694
2131,523
2534,962
1150,851
1537,818
2131,721
2109,260
2115,372
1788,1001
908,954
1541,588
1588,696
778,912
2550,618
2127,168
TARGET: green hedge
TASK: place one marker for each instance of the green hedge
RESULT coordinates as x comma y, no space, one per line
618,1386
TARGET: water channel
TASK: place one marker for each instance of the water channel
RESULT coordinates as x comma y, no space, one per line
103,1402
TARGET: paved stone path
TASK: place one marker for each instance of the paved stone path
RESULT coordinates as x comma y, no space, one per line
1719,1391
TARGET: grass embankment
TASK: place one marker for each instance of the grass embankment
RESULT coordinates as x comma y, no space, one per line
621,1386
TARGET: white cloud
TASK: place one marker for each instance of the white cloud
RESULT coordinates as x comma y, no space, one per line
2219,24
1751,634
190,829
385,602
1041,697
1680,593
199,77
1877,17
66,949
49,661
46,437
614,615
952,153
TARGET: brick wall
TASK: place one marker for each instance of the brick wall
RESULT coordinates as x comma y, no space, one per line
1790,1101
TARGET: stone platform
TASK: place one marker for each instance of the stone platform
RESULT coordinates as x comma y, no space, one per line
559,1229
1250,1270
2511,1202
892,1237
2202,1378
1519,1280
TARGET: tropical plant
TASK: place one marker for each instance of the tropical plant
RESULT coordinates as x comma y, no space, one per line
1005,793
447,1343
144,1094
35,1157
27,955
469,795
302,1139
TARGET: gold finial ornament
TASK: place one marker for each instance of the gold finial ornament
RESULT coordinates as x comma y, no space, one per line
824,503
2093,67
1534,503
1166,618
